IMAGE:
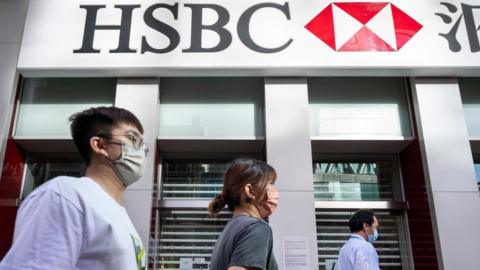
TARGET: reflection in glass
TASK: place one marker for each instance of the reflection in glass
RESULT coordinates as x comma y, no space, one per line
40,171
352,181
358,107
46,104
211,107
355,120
477,174
207,120
192,179
471,103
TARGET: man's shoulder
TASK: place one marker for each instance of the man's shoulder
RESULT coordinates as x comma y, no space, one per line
358,244
364,247
69,188
64,185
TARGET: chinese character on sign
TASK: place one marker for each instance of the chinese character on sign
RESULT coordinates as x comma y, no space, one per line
472,27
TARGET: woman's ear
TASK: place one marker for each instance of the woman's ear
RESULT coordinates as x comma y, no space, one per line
248,190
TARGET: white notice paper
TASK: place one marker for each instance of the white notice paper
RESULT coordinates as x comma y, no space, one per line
186,263
296,253
331,264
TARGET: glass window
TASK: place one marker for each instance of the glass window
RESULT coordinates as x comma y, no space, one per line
46,104
477,173
336,180
211,107
333,232
39,170
469,89
192,179
358,108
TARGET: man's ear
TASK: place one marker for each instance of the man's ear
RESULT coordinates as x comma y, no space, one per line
248,189
98,146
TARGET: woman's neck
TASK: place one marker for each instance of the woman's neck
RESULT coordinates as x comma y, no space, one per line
248,210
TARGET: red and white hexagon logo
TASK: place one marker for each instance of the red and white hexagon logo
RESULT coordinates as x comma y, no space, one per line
363,26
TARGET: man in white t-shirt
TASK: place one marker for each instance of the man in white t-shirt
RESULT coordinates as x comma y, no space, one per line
80,223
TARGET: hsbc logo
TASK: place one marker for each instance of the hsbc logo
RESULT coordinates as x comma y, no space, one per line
197,30
343,26
363,26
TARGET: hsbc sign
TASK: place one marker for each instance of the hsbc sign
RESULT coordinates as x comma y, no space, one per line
301,37
197,28
323,26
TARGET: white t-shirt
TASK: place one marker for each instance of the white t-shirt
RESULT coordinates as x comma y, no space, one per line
72,223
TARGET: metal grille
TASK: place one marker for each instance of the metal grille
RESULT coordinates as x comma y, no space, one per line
333,232
186,235
192,180
352,181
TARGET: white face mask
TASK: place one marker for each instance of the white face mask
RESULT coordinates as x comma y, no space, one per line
131,165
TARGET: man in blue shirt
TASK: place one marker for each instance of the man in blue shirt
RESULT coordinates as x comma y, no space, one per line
358,253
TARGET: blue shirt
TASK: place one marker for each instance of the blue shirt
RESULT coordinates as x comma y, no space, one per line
358,254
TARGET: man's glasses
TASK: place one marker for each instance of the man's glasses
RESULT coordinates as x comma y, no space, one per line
137,142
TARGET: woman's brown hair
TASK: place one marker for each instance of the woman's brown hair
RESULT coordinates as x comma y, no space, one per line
239,173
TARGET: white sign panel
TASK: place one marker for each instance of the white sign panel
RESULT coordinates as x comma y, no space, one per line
295,253
331,264
301,37
186,264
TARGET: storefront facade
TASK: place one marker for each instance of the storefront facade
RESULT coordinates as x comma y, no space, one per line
357,104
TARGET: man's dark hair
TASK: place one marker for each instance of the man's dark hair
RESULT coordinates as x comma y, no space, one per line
98,121
361,216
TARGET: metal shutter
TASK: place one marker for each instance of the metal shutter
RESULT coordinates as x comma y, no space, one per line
186,233
333,232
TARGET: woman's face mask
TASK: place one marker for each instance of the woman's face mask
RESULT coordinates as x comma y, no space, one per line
267,207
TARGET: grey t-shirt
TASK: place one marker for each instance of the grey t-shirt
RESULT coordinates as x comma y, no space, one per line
246,242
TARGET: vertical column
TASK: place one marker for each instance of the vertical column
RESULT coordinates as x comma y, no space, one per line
12,19
448,168
12,159
289,152
140,96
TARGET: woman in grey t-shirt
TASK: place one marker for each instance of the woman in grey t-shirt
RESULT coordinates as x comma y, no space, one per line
249,192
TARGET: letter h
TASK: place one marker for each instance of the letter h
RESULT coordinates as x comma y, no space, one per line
91,26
